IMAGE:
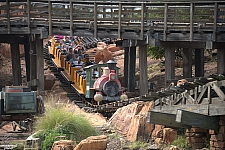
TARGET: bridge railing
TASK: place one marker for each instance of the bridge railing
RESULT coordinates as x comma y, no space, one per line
127,20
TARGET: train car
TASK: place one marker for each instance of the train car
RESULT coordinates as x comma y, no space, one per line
97,81
19,103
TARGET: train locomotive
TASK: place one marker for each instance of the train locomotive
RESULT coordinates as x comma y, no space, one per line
108,87
100,81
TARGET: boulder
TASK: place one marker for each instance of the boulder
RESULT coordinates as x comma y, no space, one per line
63,144
93,143
49,81
131,121
169,135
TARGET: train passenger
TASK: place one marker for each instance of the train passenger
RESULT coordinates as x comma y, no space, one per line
74,58
80,54
95,73
83,73
69,55
87,60
72,45
78,63
67,40
61,43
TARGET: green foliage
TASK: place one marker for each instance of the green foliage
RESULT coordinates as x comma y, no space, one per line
61,122
137,144
180,142
156,52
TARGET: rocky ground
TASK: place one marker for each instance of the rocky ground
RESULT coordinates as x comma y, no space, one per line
117,140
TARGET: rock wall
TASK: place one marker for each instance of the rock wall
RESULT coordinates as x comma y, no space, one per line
217,139
131,121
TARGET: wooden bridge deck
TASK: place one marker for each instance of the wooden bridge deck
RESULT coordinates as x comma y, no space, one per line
199,107
164,20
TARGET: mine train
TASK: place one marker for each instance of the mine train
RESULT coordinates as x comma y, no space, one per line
19,104
99,82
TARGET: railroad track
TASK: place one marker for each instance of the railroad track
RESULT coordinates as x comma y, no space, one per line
190,92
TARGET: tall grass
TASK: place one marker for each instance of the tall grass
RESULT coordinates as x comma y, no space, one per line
60,121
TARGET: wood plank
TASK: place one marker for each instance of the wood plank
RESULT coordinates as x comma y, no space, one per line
169,65
164,119
218,91
217,109
197,120
40,64
16,67
143,69
197,108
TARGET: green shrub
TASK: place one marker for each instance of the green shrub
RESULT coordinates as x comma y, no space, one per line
180,142
58,122
156,52
137,145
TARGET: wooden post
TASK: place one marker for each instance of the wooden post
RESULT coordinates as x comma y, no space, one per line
220,61
95,20
199,62
16,67
126,59
27,60
8,16
143,69
215,21
50,17
169,64
40,64
71,18
131,69
119,21
191,21
187,62
142,20
28,16
33,60
165,21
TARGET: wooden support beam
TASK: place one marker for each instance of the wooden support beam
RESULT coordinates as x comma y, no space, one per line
8,16
172,109
50,18
180,44
220,61
71,18
169,63
28,16
14,39
191,21
119,21
126,59
199,62
197,120
165,119
165,21
33,60
143,70
187,62
16,67
215,21
27,60
142,20
95,20
217,109
40,64
131,69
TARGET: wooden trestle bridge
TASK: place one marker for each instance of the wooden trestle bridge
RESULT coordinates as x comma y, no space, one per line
190,25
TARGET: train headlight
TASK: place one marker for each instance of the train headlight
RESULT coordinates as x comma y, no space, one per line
123,96
98,97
